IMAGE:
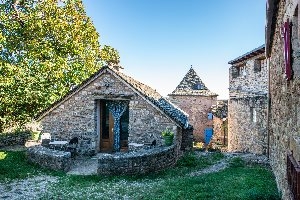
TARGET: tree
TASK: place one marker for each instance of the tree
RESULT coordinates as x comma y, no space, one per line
109,55
46,47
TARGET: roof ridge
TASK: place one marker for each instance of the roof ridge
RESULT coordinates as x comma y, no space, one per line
192,84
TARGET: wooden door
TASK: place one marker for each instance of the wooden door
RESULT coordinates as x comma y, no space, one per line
106,129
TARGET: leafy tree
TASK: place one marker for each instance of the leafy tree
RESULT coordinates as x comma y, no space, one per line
109,55
46,47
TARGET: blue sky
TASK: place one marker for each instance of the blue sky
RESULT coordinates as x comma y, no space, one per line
158,40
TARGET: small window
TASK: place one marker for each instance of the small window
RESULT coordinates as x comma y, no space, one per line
209,116
257,65
253,114
235,72
198,86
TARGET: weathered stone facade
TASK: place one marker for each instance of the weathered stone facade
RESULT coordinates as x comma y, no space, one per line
77,115
248,103
48,158
140,162
220,122
284,94
246,135
193,97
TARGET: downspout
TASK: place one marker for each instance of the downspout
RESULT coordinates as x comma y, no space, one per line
268,110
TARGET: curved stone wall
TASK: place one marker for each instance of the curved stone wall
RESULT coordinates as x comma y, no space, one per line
48,158
140,162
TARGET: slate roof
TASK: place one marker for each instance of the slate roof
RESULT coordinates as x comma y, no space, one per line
171,110
250,54
192,84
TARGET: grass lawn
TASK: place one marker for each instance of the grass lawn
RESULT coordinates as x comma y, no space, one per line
238,181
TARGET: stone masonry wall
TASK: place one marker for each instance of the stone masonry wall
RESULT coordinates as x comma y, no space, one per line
220,131
245,135
141,162
197,107
249,82
77,116
285,102
48,158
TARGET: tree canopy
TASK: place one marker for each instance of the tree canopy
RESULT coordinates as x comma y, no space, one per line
46,47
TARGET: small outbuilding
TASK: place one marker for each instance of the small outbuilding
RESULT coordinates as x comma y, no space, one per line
112,112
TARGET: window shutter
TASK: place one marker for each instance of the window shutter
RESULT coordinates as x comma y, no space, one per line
287,49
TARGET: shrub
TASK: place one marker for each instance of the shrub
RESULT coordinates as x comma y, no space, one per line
236,162
188,160
13,138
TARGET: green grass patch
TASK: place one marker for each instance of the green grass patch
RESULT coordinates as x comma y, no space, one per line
14,165
239,181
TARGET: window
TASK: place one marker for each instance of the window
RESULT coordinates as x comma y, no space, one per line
253,114
257,65
235,72
198,86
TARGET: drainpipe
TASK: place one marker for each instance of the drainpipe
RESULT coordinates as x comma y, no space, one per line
269,109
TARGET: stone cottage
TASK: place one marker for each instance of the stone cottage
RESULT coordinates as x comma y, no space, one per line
283,55
192,96
247,107
111,112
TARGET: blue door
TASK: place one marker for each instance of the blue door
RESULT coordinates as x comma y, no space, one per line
208,133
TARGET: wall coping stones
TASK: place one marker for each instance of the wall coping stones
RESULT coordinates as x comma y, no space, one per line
139,162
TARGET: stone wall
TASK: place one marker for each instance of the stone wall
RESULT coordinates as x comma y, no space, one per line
244,133
14,138
77,116
197,107
249,82
284,96
140,162
48,158
220,136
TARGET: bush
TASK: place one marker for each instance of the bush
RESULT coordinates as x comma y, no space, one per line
187,160
18,137
237,162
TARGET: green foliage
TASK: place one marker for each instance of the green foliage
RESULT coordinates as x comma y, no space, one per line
109,55
167,132
14,165
17,137
236,162
46,47
188,160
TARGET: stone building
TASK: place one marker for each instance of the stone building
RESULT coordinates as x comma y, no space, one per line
247,107
111,111
220,122
193,97
283,55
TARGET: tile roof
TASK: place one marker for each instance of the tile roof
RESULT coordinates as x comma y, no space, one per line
250,54
154,97
192,84
171,110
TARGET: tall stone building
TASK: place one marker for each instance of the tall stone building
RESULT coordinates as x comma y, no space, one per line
248,88
193,97
283,54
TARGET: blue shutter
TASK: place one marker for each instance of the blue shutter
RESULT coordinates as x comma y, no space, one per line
210,116
208,133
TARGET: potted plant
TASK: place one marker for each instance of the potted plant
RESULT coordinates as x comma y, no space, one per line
168,135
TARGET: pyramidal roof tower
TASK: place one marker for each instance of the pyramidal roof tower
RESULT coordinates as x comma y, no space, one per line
192,84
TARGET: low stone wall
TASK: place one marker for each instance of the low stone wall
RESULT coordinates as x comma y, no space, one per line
14,138
137,162
48,158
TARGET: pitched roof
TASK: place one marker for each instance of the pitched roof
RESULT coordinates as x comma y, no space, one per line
172,111
250,54
192,84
